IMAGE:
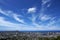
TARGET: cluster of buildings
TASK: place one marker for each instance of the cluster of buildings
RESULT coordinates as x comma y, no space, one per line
11,34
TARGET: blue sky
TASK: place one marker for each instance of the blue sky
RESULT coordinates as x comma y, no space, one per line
29,15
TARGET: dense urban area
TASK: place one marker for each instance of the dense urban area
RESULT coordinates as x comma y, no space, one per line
17,35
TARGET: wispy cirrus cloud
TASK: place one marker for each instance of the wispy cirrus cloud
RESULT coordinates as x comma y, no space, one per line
49,5
44,17
6,23
35,26
11,14
10,26
6,12
15,16
45,1
50,25
22,27
44,5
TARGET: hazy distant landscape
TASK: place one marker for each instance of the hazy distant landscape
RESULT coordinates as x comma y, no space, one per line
32,35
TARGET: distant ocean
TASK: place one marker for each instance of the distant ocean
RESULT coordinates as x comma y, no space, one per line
34,31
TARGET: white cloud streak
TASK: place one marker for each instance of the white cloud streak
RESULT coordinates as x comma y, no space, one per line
45,1
15,16
11,14
45,4
32,10
11,26
44,17
49,5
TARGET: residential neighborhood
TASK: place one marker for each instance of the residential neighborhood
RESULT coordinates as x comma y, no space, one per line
17,35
